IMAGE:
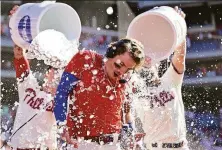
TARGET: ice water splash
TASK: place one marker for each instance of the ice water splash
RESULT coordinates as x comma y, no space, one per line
139,88
53,48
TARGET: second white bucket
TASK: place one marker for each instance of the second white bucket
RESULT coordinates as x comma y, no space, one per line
160,30
32,18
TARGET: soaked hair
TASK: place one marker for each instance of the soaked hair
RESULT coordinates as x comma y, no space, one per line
51,67
150,76
153,74
133,46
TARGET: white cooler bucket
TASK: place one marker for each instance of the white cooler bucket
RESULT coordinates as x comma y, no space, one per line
160,30
32,18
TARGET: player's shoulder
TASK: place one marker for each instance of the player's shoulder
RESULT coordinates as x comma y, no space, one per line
89,54
85,59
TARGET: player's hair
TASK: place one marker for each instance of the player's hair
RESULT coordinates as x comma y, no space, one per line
133,46
51,67
150,75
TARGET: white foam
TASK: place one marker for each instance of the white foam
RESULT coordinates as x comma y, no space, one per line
53,48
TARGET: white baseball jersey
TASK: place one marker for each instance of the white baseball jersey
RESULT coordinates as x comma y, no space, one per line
161,109
41,130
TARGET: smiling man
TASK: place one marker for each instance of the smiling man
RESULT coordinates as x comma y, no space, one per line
94,85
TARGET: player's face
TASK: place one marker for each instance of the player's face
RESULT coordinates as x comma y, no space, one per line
147,62
50,75
49,81
119,66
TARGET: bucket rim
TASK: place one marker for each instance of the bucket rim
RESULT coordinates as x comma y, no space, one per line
58,4
167,19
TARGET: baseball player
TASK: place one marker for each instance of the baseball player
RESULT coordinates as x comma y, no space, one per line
35,124
36,102
159,102
95,87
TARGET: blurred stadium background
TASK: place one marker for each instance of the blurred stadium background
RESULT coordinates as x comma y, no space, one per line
106,21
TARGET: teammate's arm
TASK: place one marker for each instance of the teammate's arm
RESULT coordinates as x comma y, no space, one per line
21,64
178,59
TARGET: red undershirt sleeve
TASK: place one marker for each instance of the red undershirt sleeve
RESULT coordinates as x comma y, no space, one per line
22,67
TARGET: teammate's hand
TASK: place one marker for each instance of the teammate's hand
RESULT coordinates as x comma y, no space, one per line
139,136
18,52
66,137
179,11
14,9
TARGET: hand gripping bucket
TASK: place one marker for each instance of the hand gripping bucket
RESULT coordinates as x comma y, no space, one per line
160,30
32,18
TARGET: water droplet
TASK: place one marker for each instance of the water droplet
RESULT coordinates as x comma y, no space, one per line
88,132
94,71
118,61
111,97
87,57
86,65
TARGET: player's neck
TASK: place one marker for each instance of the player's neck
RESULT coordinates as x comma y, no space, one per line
49,91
